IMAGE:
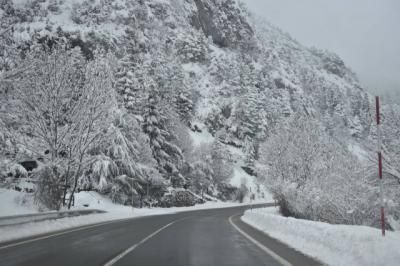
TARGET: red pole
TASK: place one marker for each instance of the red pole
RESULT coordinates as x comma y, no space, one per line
380,172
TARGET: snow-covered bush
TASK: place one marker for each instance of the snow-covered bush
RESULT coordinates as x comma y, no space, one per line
220,162
126,190
241,193
193,48
54,6
90,12
227,191
200,171
313,177
179,198
103,171
49,192
391,133
201,178
12,169
123,160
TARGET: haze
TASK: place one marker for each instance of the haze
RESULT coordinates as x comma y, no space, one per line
365,33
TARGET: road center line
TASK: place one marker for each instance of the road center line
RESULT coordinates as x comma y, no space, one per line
124,253
279,259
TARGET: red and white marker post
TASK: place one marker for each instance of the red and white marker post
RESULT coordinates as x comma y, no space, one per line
378,125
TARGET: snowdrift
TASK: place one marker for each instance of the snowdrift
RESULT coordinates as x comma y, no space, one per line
332,244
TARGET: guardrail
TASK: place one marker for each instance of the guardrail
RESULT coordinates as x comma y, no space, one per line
37,217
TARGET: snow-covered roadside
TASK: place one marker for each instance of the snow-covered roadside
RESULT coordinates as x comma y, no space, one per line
15,203
97,201
332,244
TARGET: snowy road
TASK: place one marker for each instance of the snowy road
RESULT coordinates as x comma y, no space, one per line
205,237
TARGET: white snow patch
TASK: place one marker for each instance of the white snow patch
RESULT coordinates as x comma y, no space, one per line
241,177
193,68
200,138
14,203
359,152
332,244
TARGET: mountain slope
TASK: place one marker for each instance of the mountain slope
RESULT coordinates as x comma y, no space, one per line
196,66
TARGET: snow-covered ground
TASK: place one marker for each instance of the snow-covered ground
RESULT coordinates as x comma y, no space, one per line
241,177
332,244
201,138
358,151
15,203
94,201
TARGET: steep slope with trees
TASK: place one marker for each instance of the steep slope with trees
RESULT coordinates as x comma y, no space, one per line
172,65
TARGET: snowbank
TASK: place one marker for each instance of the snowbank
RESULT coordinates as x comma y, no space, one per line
332,244
37,217
94,200
14,203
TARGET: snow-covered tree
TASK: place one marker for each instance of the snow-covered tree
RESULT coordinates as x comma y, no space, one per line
312,176
220,157
172,87
202,174
193,48
123,159
180,136
64,107
168,155
132,77
391,131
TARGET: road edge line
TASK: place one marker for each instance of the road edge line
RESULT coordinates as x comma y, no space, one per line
132,248
278,258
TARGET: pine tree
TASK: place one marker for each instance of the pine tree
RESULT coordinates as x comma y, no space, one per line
168,156
132,75
173,87
221,166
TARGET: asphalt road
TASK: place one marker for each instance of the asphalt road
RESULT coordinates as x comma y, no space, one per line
204,237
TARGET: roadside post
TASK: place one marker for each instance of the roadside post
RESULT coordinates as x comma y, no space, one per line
380,166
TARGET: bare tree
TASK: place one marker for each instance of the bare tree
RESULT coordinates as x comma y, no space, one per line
63,104
92,117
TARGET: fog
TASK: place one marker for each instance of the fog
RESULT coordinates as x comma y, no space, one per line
365,33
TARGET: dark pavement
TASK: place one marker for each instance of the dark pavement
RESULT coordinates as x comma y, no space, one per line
204,237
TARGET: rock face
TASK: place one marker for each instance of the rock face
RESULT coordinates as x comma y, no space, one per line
222,21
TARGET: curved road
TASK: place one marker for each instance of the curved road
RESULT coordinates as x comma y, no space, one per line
204,237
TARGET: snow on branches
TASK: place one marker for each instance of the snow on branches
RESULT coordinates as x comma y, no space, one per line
314,177
63,105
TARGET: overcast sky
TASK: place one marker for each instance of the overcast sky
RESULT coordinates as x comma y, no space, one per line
365,33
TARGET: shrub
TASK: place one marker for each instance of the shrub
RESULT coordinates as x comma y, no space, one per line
49,191
312,176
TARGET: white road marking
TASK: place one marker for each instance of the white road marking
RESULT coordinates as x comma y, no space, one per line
61,233
123,254
279,259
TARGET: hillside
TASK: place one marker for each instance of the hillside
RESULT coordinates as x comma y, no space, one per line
199,84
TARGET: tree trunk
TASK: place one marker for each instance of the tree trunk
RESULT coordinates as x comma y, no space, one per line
67,178
73,190
64,192
75,182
